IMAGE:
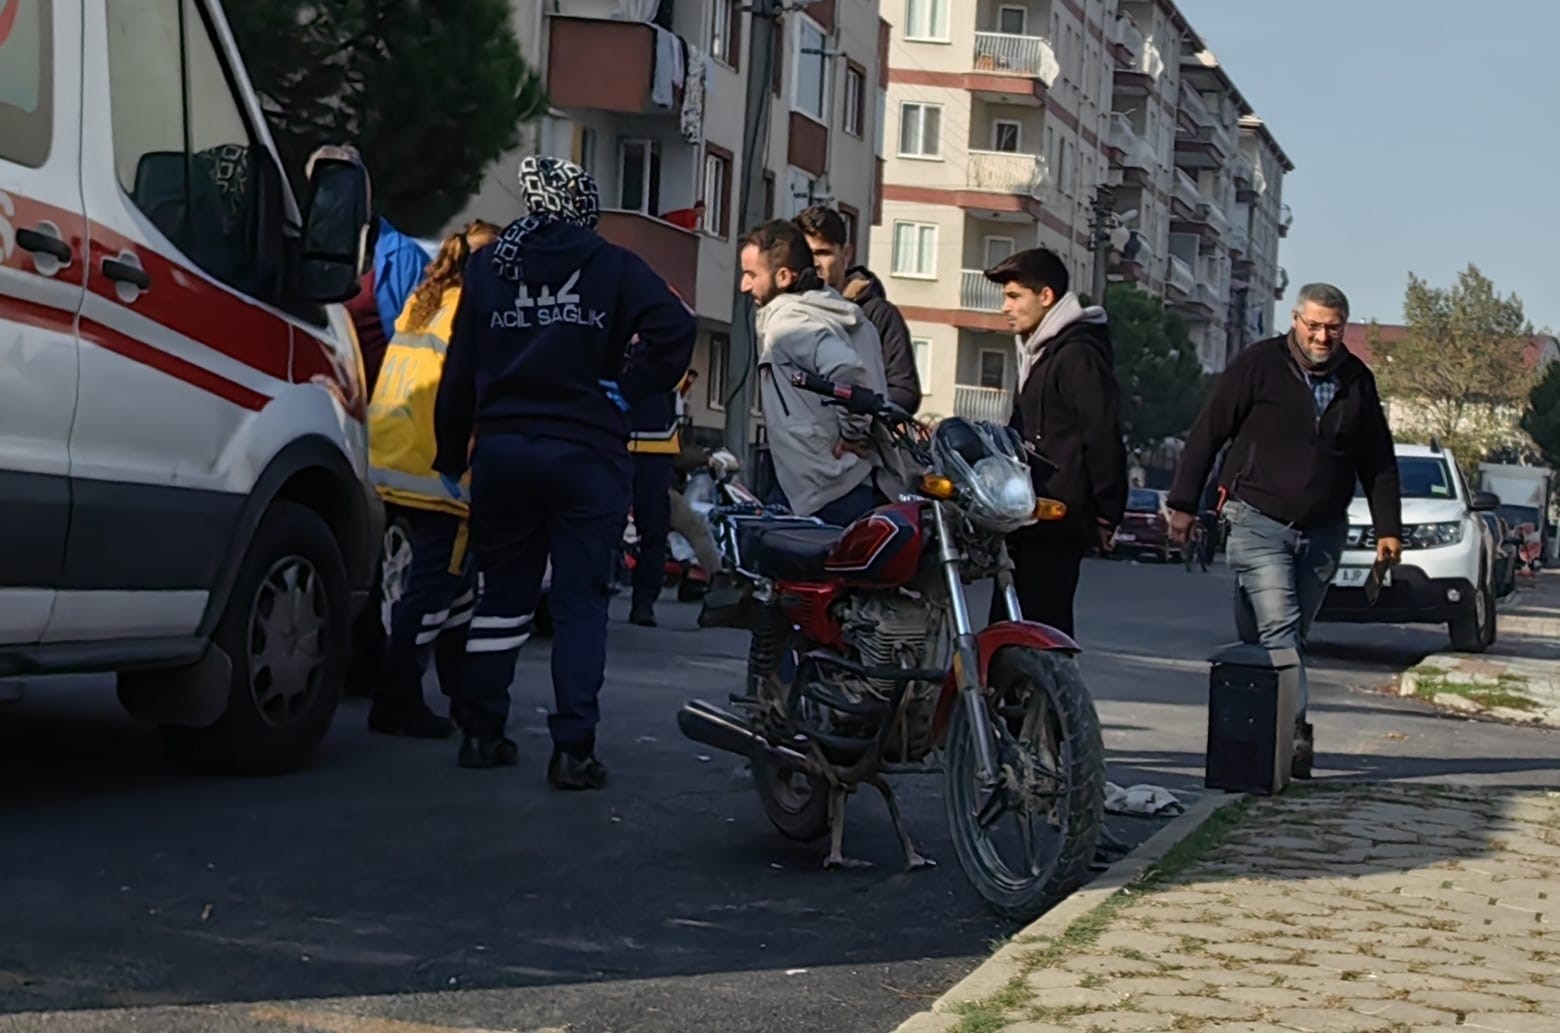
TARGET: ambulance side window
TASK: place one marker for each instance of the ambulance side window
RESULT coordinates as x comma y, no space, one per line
26,81
182,148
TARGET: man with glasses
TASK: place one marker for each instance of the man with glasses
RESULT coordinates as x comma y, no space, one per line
1303,422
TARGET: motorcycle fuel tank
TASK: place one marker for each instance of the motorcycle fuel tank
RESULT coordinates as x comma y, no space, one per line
881,550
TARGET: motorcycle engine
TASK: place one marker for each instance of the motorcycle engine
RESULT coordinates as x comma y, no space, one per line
894,631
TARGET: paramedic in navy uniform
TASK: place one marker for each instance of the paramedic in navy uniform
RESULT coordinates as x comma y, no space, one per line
539,373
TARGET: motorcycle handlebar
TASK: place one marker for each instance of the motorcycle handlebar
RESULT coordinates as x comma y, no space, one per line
860,401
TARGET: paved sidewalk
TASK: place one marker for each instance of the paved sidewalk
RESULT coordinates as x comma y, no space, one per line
1519,678
1343,908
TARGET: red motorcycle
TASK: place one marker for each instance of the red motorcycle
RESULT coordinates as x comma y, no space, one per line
865,663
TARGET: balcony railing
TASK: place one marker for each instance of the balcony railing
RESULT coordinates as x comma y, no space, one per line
1192,103
1239,239
978,294
1212,213
1137,152
1243,168
1180,276
1186,190
1125,32
993,404
1004,172
1206,296
1004,54
1286,218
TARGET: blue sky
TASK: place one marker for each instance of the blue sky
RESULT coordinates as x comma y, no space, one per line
1425,135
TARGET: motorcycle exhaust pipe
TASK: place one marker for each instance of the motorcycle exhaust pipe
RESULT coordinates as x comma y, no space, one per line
708,724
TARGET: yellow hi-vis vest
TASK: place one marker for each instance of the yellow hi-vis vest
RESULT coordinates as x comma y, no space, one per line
401,442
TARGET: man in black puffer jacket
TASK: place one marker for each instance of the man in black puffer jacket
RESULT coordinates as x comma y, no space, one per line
1068,407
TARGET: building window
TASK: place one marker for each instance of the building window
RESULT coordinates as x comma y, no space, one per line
915,249
920,130
1013,21
1006,136
997,249
810,88
27,85
926,19
855,100
993,368
584,149
923,360
720,364
182,147
803,190
639,177
726,33
717,191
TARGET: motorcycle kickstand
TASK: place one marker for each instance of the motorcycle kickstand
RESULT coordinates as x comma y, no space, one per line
836,859
913,859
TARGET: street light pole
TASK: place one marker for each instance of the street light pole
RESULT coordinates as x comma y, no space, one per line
1101,207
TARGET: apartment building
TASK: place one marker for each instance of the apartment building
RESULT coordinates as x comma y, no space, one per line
1004,117
650,97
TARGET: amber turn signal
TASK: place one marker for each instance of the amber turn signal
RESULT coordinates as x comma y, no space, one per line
1050,509
936,486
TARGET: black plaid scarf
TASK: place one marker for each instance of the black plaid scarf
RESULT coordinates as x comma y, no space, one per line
554,191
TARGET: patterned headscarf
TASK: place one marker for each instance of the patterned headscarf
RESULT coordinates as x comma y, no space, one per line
554,191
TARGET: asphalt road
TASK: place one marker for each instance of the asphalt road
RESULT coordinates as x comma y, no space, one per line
384,890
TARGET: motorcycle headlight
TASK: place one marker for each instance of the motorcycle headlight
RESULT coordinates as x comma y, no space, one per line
1004,490
1431,536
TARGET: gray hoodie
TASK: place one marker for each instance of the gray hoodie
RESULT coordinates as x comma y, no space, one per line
817,332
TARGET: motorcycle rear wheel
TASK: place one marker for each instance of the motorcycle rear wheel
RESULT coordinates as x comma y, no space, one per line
1049,741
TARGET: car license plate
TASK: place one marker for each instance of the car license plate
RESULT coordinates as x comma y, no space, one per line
1355,577
1126,537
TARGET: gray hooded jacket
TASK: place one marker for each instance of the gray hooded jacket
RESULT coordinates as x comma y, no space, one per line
818,332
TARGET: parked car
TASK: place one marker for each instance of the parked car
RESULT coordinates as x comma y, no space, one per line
1145,527
1508,552
183,492
1448,573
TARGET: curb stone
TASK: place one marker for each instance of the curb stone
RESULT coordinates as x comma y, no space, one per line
998,970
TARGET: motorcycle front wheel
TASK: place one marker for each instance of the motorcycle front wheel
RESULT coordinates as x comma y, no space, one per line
1028,840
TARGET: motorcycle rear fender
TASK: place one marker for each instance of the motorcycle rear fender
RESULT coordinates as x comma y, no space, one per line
1023,634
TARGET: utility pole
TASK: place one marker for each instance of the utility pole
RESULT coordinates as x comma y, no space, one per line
1103,205
742,365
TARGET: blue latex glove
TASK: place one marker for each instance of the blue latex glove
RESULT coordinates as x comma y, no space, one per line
452,486
614,394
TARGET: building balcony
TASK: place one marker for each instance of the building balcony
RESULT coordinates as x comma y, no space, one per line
1140,77
1126,42
1206,147
671,251
1186,195
1243,169
1281,284
1238,239
1004,172
1135,260
1136,151
1180,278
1030,57
978,294
1207,298
993,404
578,50
1286,218
1191,104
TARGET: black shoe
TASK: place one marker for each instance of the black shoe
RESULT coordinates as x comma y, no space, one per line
572,771
416,722
477,752
642,614
1305,752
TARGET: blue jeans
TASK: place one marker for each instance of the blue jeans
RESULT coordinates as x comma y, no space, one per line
1282,573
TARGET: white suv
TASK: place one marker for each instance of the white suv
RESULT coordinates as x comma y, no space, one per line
183,493
1448,569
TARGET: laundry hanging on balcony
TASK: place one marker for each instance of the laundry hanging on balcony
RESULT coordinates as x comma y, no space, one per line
639,10
692,118
669,69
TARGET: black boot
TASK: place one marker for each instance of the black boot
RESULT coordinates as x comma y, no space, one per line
576,771
1305,752
642,614
483,752
414,720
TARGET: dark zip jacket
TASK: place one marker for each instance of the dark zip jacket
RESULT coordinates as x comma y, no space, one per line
1285,460
904,382
529,357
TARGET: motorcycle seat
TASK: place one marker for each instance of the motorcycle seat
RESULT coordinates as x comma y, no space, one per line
791,552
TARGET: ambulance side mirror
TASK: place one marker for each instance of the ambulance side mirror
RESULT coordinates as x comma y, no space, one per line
330,256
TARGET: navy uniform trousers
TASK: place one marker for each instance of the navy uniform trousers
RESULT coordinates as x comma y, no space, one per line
432,614
532,497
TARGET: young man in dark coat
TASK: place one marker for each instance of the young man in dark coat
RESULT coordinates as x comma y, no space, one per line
1068,407
826,236
540,371
1304,424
